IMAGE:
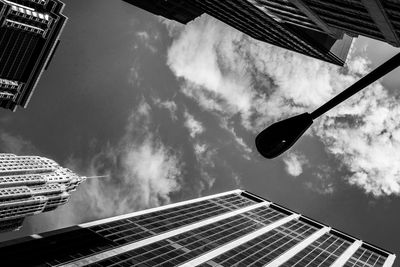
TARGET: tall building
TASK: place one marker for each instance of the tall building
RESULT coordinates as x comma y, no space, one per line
30,185
235,228
320,29
29,35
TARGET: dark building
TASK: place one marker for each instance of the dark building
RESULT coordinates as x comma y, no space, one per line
234,228
320,29
29,35
376,19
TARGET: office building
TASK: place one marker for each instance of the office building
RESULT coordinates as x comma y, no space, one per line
29,35
235,228
30,185
376,19
320,29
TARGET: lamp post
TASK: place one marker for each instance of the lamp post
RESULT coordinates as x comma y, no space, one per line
282,135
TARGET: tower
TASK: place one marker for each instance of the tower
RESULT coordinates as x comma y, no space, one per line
30,185
29,36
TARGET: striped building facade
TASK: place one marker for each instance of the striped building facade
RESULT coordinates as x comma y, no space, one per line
234,228
29,35
31,185
320,29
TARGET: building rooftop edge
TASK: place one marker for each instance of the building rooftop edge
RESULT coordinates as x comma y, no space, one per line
375,248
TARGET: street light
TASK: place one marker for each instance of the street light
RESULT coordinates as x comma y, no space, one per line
282,135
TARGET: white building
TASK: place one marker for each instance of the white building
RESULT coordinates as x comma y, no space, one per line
30,185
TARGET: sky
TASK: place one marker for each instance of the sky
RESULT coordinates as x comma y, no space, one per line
170,112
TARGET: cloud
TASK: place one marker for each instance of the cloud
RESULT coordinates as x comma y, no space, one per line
142,171
15,144
321,181
169,105
239,141
149,39
365,135
206,157
294,163
134,77
199,57
194,126
144,36
232,75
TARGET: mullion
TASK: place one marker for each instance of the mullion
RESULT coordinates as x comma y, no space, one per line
131,220
290,240
208,210
225,223
179,209
241,217
277,232
215,241
321,250
342,244
249,248
359,257
168,244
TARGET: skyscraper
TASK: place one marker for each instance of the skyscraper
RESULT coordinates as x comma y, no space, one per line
29,35
235,228
320,29
30,185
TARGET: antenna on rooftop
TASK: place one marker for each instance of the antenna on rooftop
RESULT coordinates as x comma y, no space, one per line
95,177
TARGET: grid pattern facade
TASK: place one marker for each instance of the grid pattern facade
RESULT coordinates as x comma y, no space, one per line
320,29
351,16
30,185
366,258
288,12
265,248
120,232
180,10
392,9
29,32
258,22
323,252
276,22
233,229
135,228
191,244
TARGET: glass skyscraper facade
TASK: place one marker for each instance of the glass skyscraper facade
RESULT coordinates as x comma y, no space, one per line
30,185
320,29
29,35
235,228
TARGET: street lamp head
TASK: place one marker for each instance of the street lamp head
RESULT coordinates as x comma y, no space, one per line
282,135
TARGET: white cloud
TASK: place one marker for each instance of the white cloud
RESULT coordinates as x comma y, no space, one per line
149,39
134,73
321,181
231,74
199,55
143,173
144,36
294,163
365,134
194,126
15,144
238,140
152,170
206,157
169,105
